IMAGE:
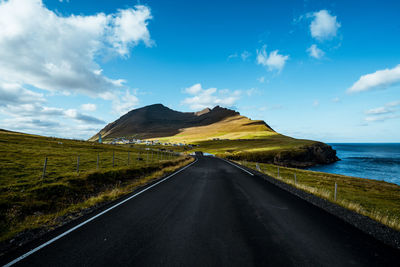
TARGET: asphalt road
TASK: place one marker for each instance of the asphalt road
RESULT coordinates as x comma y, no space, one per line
214,214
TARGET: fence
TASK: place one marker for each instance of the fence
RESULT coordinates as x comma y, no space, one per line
289,175
106,159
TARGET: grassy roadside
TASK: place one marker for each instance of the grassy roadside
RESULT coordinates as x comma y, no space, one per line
29,202
378,200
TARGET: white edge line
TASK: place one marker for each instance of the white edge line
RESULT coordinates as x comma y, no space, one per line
238,167
91,219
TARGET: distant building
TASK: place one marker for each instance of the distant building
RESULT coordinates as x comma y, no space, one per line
100,139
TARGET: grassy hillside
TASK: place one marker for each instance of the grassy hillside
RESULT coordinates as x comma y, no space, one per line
238,137
28,201
234,127
378,200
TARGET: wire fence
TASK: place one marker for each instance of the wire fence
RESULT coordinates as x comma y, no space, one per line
105,160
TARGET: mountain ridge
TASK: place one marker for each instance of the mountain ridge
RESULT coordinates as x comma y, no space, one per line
158,121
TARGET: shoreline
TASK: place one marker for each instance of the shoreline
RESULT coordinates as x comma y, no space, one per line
375,161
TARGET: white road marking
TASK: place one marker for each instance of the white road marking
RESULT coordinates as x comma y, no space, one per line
237,166
91,219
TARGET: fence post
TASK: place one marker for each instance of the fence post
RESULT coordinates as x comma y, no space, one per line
77,165
98,159
258,167
295,179
335,190
113,159
44,168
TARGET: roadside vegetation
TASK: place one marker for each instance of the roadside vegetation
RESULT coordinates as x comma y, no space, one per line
29,201
378,200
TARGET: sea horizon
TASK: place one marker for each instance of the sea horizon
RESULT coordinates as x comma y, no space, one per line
377,161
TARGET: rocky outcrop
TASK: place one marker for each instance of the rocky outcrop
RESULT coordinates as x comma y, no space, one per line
317,153
301,157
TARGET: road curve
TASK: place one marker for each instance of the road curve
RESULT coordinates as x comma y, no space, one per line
214,214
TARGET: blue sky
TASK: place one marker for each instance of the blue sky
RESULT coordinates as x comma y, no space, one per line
322,70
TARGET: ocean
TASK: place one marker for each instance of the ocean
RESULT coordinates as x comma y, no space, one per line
366,160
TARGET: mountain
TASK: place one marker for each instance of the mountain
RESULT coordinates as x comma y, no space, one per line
157,121
220,131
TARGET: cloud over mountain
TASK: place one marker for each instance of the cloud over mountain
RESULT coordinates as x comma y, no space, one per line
203,98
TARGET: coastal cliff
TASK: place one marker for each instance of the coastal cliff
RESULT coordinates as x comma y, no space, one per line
318,153
302,157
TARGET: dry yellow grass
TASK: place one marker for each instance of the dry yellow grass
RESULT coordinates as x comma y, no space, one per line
378,200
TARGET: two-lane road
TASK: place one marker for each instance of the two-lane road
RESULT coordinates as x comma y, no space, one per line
214,214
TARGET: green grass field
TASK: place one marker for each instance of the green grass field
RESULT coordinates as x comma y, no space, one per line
28,201
378,200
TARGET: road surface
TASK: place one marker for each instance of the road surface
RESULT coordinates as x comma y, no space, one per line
215,214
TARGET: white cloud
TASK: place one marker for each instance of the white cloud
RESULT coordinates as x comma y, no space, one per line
14,94
130,28
244,55
39,119
252,91
315,52
380,79
203,98
381,118
74,114
388,111
43,49
393,104
233,56
194,89
121,104
24,110
273,60
336,100
390,107
38,111
324,26
261,79
49,127
316,103
89,107
377,111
